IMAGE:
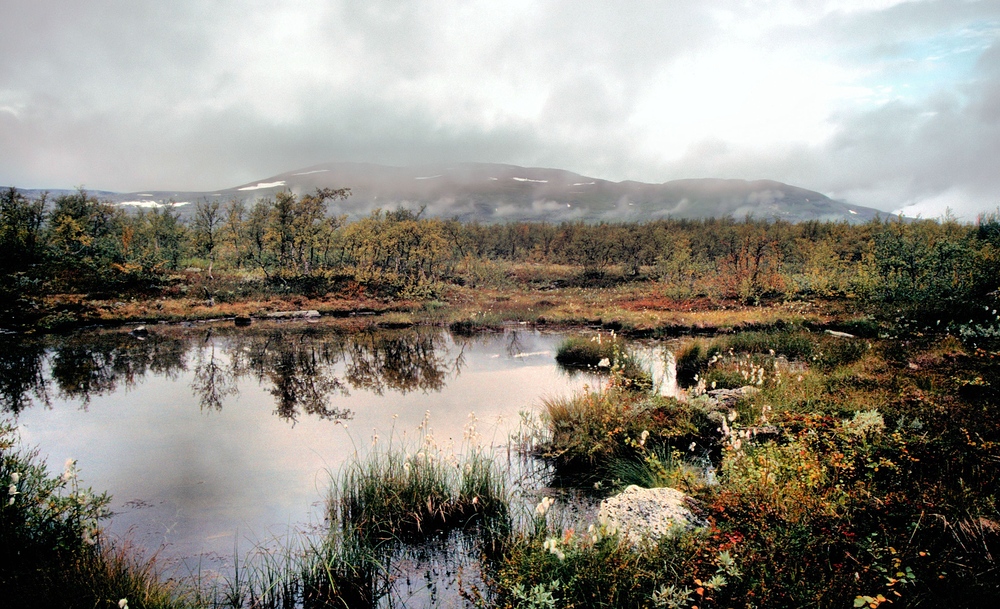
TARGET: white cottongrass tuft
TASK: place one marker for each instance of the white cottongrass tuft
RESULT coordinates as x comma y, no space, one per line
543,506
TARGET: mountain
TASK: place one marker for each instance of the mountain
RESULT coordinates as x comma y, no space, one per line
497,193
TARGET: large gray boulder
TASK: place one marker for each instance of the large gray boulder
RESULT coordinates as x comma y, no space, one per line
642,514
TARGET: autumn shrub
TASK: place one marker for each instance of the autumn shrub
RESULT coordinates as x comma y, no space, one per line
486,273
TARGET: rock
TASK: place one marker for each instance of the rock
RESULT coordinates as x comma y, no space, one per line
647,513
727,398
292,314
140,332
840,334
242,321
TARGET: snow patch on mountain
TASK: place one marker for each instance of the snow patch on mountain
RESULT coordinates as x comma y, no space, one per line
260,185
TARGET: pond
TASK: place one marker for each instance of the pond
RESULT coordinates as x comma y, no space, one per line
212,439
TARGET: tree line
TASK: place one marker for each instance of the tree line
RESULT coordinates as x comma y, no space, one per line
78,243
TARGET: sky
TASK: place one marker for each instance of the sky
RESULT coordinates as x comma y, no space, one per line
887,103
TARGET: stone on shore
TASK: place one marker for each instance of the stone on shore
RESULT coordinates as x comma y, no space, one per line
647,513
292,314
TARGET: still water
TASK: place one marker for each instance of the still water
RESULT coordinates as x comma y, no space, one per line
213,439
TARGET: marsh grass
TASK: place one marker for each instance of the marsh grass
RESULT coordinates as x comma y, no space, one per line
695,355
584,352
478,322
52,552
554,566
607,352
659,466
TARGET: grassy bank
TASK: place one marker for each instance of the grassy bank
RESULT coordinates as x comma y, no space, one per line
53,551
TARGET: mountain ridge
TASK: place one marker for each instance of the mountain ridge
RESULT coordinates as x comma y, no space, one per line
494,192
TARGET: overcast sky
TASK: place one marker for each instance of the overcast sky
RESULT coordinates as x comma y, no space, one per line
883,103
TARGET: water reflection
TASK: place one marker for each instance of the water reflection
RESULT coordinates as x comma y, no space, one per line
195,458
304,368
22,373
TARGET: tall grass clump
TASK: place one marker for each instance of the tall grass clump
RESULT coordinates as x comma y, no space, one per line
591,428
345,570
656,466
406,492
584,352
398,493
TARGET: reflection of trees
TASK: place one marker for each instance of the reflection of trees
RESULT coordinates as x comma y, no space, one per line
306,368
213,380
398,361
301,380
22,373
85,365
299,366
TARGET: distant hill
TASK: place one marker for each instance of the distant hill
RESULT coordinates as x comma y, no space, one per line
498,193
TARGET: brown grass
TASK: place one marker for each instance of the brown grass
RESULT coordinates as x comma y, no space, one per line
639,307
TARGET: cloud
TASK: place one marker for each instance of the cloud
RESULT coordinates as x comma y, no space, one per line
889,103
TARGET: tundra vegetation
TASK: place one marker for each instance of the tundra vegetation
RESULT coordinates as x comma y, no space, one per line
837,432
